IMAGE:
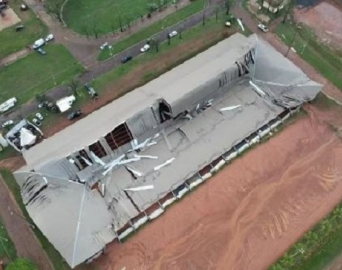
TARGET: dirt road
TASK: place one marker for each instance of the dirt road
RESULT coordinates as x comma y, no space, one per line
21,234
249,213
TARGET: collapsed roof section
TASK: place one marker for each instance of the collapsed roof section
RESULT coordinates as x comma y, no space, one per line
122,159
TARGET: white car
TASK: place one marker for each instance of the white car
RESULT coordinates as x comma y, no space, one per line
173,33
103,46
49,37
39,116
36,122
145,48
263,27
228,24
7,123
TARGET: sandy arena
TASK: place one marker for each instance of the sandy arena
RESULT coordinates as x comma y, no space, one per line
10,18
326,20
250,213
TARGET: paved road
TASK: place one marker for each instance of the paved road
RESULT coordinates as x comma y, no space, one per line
21,234
103,67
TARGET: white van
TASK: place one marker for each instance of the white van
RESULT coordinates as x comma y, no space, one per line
38,43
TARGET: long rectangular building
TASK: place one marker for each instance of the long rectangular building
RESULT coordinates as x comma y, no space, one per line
102,177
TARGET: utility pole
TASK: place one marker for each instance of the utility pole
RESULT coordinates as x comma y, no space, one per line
293,39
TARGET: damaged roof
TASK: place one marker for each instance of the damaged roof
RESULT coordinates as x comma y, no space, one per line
78,219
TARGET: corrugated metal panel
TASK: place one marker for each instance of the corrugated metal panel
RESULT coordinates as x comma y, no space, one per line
142,122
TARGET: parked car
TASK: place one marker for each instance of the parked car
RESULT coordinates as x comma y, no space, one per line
39,116
172,34
38,43
3,6
41,51
145,48
49,37
36,122
263,27
19,28
103,46
228,24
126,59
7,123
5,2
91,91
74,114
23,7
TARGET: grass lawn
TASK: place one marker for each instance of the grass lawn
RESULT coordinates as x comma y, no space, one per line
324,60
103,16
149,31
36,73
11,41
7,248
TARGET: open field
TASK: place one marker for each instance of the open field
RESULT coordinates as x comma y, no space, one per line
12,41
263,201
149,31
103,16
318,55
326,21
36,74
7,249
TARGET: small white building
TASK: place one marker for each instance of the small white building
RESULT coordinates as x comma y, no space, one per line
65,103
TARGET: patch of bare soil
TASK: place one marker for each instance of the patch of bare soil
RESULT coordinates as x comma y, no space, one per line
13,163
249,213
326,20
135,77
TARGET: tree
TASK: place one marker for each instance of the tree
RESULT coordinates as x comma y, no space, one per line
203,18
155,43
287,11
95,29
21,264
180,31
217,10
227,6
120,23
54,7
74,85
128,22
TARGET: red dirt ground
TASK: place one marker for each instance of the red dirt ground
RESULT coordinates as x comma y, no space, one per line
326,20
249,213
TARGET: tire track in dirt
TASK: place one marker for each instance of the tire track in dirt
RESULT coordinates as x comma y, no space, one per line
249,213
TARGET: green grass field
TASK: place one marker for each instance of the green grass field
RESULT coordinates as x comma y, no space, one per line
37,73
153,29
7,248
324,60
103,16
11,41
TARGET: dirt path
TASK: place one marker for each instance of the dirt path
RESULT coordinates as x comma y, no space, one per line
25,241
249,213
14,57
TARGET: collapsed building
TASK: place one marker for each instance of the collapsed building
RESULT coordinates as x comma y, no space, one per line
103,177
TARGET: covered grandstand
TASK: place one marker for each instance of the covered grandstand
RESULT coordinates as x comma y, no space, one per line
103,177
